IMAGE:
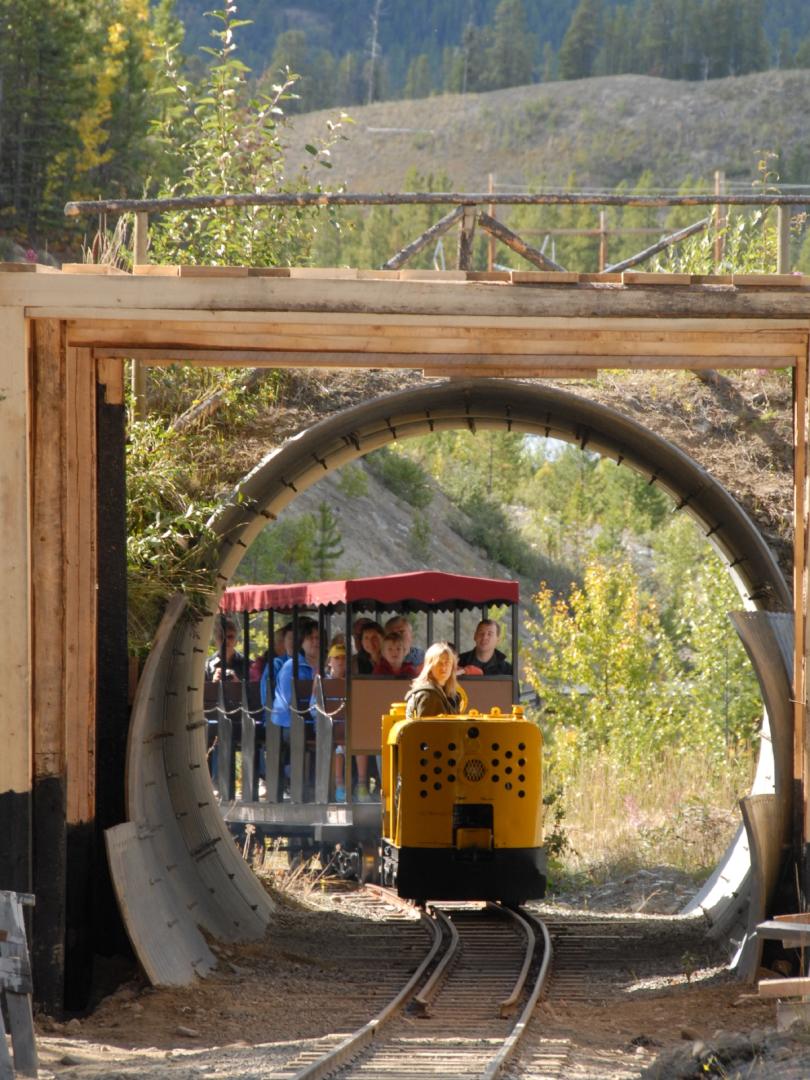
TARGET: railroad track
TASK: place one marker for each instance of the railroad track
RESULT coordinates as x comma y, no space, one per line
462,1012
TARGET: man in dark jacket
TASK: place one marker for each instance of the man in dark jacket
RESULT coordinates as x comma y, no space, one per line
485,655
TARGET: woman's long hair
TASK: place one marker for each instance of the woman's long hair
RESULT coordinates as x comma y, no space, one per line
426,678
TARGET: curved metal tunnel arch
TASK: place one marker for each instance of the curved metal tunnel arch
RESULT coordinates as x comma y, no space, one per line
176,839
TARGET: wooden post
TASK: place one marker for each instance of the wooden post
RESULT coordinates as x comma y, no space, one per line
16,872
801,832
140,255
112,661
491,238
602,240
466,238
48,675
719,216
783,239
80,561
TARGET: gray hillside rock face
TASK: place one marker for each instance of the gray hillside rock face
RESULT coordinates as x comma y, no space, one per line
375,531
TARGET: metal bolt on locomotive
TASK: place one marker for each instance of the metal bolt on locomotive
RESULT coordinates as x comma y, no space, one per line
458,810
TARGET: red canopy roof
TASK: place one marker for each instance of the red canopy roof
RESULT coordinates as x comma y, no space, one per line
416,591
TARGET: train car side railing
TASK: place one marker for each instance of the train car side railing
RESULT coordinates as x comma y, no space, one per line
246,748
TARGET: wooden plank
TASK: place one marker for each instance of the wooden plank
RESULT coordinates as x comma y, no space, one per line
320,273
47,551
269,271
67,295
640,277
155,270
86,331
544,277
80,584
15,759
496,372
437,276
601,278
780,988
802,919
795,281
801,530
408,361
458,341
93,269
191,271
110,374
26,268
48,632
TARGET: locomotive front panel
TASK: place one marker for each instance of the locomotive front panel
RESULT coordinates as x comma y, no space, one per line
464,807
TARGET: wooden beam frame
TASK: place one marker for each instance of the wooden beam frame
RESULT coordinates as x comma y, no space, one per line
525,325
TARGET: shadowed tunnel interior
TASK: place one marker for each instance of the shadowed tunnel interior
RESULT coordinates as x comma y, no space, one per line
175,839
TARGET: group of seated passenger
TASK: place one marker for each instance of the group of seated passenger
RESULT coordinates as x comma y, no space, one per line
379,650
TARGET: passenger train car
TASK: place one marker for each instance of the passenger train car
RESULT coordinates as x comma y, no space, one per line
461,808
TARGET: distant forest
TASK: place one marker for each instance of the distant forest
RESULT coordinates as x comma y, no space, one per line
106,97
351,52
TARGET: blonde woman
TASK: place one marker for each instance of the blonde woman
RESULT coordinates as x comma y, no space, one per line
435,692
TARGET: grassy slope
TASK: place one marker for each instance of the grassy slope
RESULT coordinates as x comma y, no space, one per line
606,130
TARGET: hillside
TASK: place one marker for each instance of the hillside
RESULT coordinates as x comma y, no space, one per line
605,130
737,426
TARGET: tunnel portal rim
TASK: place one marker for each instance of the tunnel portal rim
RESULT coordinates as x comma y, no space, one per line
168,786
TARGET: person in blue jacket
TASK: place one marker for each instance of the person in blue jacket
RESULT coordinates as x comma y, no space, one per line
284,696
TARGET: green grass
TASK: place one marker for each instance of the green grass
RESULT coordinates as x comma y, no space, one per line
618,817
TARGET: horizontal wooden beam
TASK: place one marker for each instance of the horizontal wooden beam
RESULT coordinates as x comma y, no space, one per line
516,363
495,371
420,198
780,988
324,321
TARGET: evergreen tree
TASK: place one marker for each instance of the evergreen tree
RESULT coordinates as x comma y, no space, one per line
418,82
44,51
510,57
580,45
801,58
784,50
475,45
656,40
327,547
349,80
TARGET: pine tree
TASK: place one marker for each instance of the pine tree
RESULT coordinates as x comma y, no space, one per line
475,45
327,547
510,57
418,82
44,51
349,80
580,45
656,40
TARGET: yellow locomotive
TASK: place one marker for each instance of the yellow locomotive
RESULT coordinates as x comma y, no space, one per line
462,812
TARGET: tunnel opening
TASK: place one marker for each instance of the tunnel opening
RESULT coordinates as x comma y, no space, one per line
175,827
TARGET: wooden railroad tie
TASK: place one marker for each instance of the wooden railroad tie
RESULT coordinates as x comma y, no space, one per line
15,989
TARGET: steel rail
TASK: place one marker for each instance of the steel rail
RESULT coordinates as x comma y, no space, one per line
351,1046
512,1040
509,1003
428,991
